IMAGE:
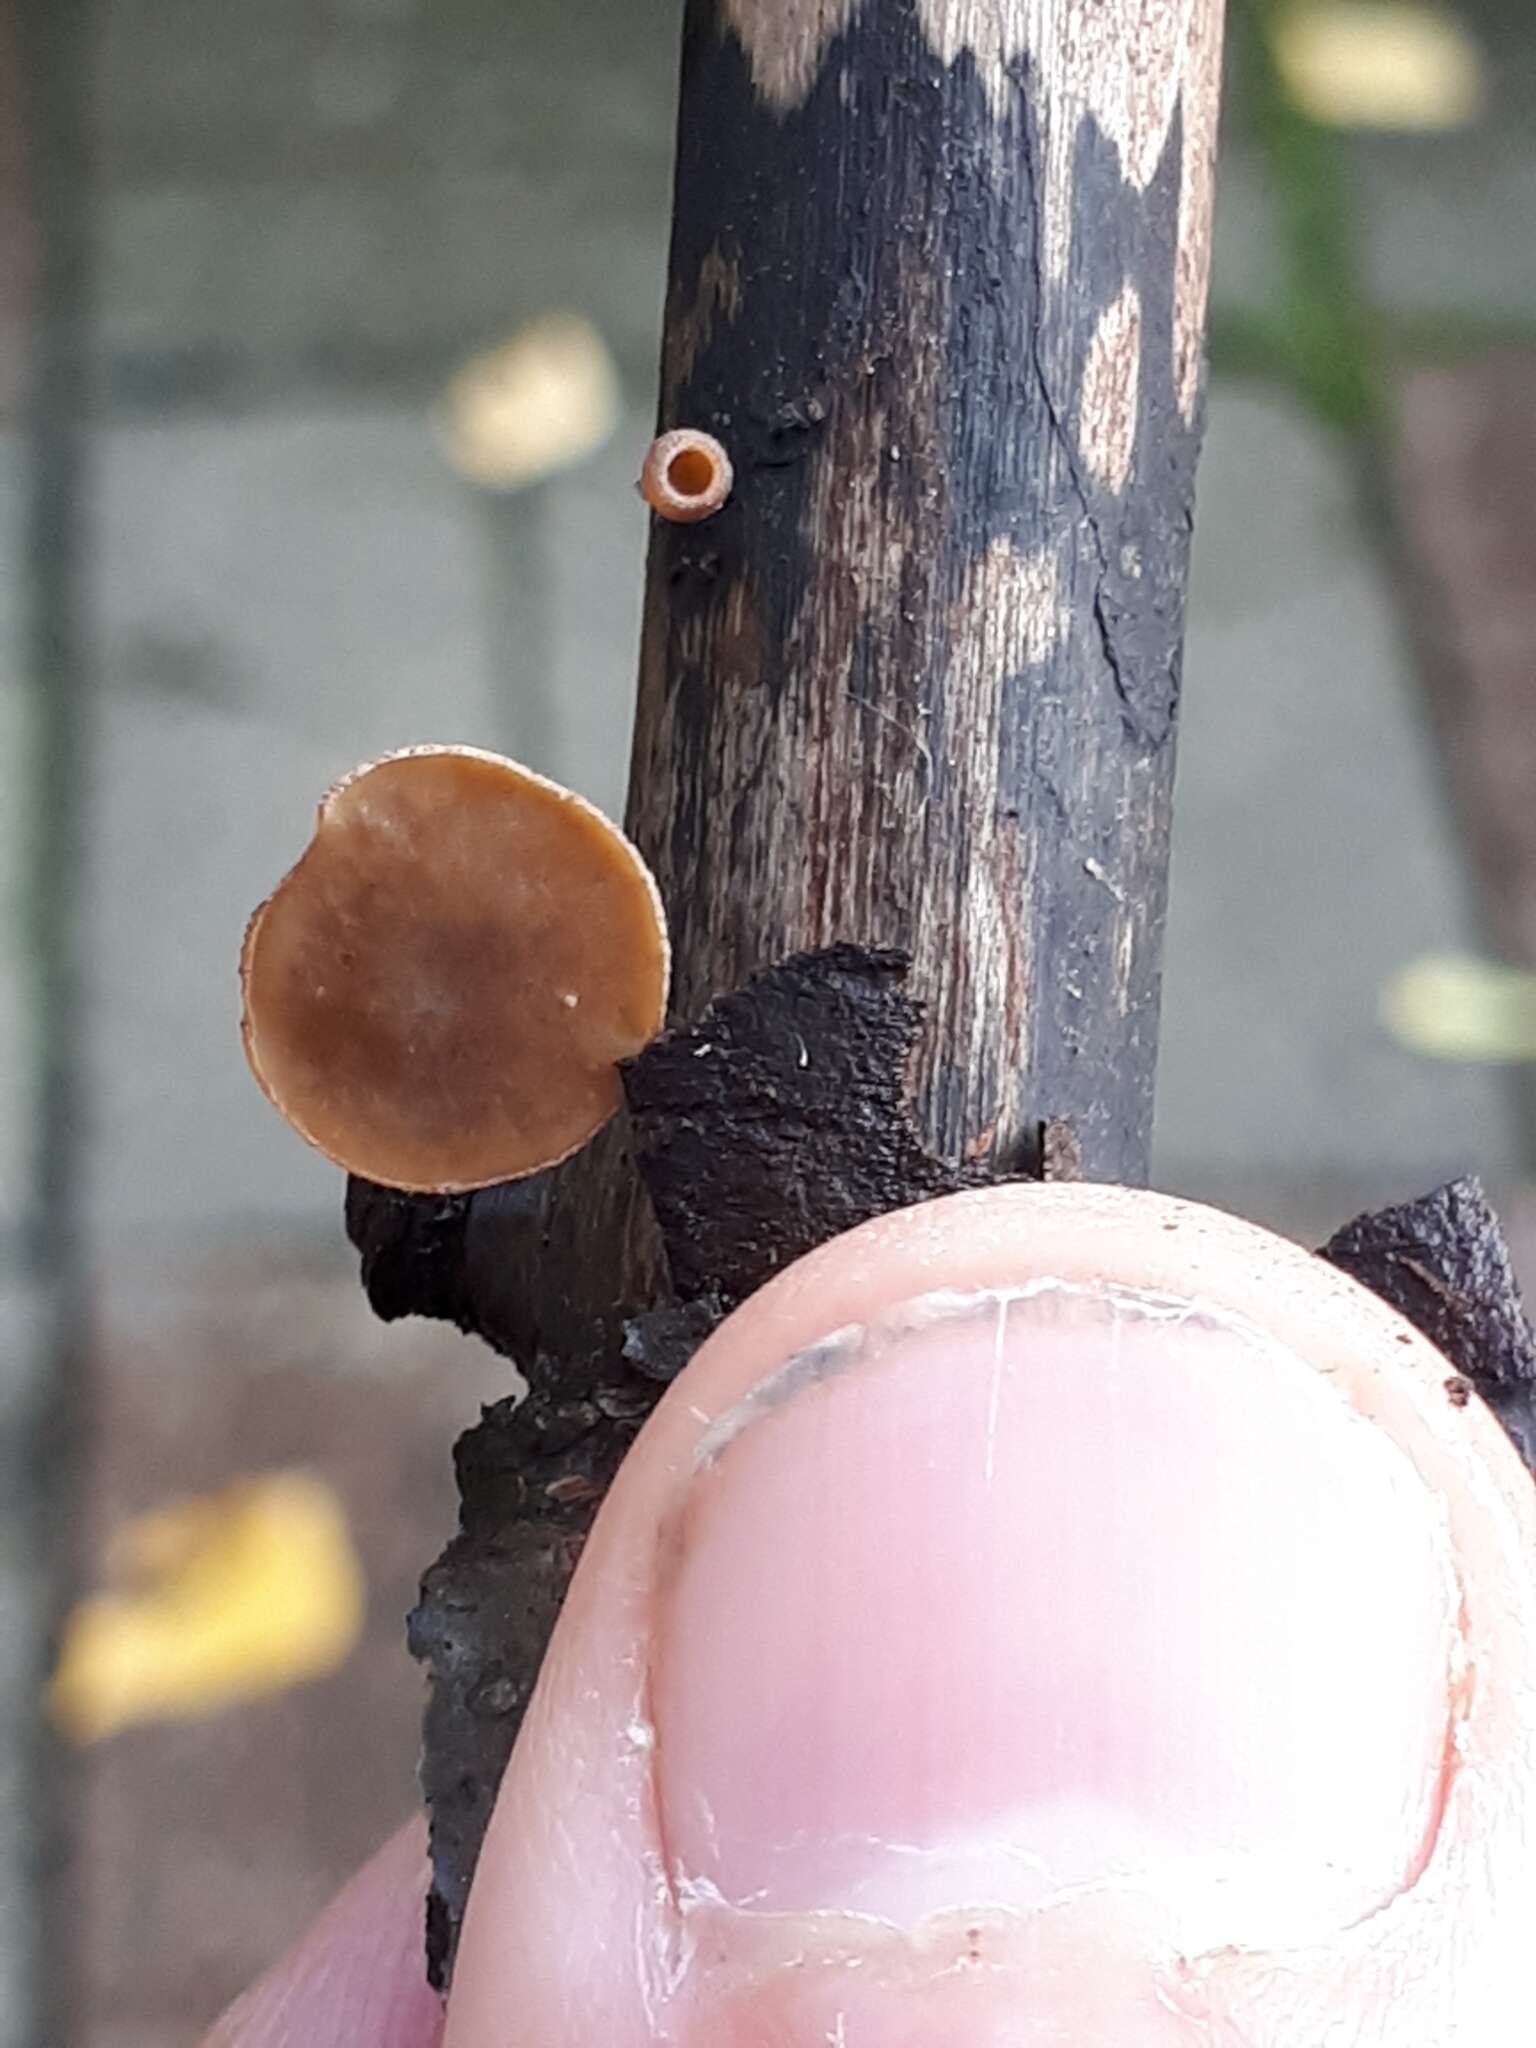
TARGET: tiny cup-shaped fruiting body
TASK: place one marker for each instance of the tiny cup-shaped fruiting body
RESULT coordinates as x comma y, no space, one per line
438,995
687,476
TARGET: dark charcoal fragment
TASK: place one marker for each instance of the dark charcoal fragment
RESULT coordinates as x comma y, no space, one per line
486,1611
412,1251
531,1474
1443,1263
659,1343
780,1119
423,1255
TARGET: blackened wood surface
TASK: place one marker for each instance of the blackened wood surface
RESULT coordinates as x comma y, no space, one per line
937,282
937,278
1443,1262
780,1120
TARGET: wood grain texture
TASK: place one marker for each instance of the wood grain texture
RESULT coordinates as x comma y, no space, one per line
916,685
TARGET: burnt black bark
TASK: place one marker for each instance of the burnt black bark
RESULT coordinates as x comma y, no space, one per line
781,1120
411,1252
1443,1263
916,684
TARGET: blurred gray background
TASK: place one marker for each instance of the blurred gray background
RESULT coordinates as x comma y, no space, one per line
287,227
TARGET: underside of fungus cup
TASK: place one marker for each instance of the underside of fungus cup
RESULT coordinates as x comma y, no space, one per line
1051,1615
439,994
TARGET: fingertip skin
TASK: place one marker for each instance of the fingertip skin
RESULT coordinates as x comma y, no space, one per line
357,1979
578,1930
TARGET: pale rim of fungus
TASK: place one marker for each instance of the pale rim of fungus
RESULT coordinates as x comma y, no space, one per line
702,488
625,853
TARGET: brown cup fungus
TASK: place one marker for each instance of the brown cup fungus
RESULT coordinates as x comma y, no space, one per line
687,476
438,995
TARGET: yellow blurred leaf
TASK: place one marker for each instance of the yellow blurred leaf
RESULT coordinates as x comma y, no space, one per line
1391,64
542,401
1454,1008
222,1599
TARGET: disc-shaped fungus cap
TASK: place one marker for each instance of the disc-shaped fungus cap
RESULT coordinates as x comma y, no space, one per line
439,994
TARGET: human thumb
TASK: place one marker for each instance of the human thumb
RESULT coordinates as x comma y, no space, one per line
1048,1616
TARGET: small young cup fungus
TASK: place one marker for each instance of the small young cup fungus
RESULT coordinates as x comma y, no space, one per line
438,995
687,476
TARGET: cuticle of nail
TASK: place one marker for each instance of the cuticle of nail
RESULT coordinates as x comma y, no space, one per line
853,1344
